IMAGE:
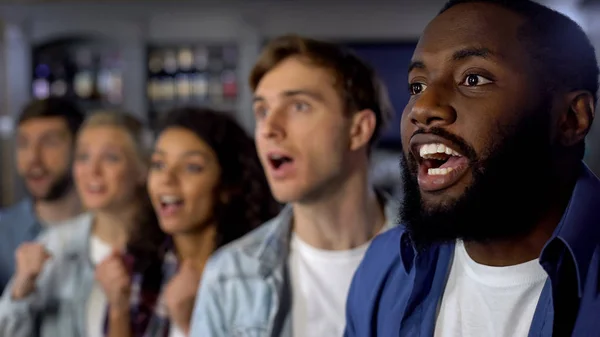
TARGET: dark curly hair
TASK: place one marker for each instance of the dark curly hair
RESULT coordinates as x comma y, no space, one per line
250,201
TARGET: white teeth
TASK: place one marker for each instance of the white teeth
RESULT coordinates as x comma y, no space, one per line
429,149
169,199
432,148
439,171
276,157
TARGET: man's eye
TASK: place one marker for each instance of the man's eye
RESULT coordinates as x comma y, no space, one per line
475,80
416,88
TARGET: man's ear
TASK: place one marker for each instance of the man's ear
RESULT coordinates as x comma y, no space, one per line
575,122
362,129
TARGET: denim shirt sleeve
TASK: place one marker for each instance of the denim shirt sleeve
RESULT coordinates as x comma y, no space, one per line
208,319
17,317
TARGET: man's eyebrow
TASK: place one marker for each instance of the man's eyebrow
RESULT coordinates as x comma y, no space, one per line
416,65
465,53
303,92
458,55
291,93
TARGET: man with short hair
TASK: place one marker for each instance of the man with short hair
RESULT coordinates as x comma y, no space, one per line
45,139
501,233
319,109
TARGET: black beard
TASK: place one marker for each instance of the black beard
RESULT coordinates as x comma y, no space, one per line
59,188
507,197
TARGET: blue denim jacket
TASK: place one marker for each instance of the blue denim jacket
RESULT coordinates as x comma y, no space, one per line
18,224
58,305
396,291
245,291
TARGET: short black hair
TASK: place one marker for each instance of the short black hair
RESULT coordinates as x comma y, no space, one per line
54,107
561,51
562,55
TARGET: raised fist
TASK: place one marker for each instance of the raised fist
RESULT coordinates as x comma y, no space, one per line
30,258
180,295
115,281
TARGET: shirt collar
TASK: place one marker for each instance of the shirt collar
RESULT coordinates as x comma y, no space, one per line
28,217
81,235
578,230
407,251
275,248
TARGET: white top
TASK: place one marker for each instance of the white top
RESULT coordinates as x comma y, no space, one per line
176,332
320,283
97,302
480,300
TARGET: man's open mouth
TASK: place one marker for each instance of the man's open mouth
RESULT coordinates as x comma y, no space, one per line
440,166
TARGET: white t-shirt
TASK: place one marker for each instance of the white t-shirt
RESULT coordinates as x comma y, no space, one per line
97,302
176,332
320,283
480,300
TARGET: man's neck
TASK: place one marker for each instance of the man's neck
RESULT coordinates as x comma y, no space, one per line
528,247
343,219
63,209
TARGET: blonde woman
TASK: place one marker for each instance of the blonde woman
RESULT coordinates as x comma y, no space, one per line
65,281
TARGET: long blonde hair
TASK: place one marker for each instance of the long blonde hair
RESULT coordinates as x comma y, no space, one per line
145,236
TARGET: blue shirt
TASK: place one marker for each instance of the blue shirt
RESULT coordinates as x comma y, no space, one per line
397,291
18,224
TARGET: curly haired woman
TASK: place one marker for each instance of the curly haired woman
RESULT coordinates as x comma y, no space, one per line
208,188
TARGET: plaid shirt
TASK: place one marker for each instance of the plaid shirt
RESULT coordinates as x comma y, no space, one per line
149,317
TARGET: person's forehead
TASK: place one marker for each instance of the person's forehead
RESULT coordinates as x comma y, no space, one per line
293,73
44,124
480,25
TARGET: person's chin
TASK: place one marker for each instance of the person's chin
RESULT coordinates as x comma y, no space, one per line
38,192
446,197
99,203
285,197
171,227
285,192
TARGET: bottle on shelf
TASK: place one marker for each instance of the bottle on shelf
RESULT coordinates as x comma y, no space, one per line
59,86
167,86
41,82
155,67
84,81
183,78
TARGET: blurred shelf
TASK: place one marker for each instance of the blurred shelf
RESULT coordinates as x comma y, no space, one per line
85,70
191,74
